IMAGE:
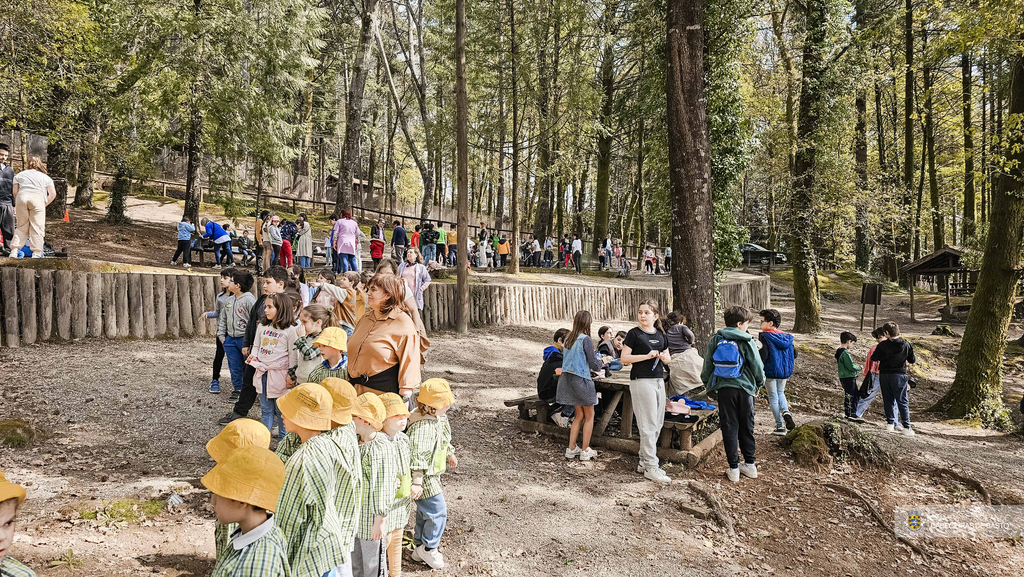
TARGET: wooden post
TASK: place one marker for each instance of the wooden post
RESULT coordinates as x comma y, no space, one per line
173,314
45,305
137,321
64,292
148,310
27,295
198,307
160,304
913,280
9,276
121,301
185,317
95,304
109,307
210,297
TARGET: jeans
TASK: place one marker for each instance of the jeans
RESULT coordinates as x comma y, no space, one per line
348,261
777,399
648,397
849,395
736,414
236,361
223,253
399,253
865,402
453,254
218,360
429,252
328,257
431,517
304,261
7,224
536,259
895,397
269,413
577,260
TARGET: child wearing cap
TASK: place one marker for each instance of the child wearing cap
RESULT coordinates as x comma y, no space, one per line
348,469
378,456
245,488
272,356
398,516
430,437
307,511
332,342
237,434
11,497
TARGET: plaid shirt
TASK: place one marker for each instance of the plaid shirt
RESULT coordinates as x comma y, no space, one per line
380,481
287,446
350,482
9,567
321,372
427,436
307,511
222,536
398,516
265,556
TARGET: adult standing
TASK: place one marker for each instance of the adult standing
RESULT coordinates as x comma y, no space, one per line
346,233
384,349
441,244
452,238
399,241
33,190
535,250
377,242
668,260
483,239
414,273
221,241
606,251
577,253
6,199
303,241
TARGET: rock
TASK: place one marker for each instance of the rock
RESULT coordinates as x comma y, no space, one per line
945,331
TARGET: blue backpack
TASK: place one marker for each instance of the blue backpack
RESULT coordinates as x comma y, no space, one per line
728,360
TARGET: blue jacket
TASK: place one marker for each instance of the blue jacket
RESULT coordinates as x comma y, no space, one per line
185,230
777,354
214,231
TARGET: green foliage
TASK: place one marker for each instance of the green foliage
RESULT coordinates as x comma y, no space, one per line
125,510
16,433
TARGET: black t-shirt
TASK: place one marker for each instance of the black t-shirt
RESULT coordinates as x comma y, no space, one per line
642,343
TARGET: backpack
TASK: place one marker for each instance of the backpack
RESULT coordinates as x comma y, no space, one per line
728,360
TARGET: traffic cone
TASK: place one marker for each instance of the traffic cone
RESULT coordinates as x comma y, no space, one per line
66,216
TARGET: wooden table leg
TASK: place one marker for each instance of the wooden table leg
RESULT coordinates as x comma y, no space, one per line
607,416
686,439
627,417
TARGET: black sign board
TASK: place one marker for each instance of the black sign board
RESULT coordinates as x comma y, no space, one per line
870,294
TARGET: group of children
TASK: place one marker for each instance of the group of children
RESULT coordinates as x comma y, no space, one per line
885,370
225,240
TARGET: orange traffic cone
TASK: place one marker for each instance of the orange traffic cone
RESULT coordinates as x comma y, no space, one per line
66,216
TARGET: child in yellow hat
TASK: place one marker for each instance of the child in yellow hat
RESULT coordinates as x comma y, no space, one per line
398,516
306,509
332,342
430,438
237,434
245,487
11,497
348,470
369,557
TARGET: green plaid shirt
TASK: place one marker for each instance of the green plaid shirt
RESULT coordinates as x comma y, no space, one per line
222,536
265,556
307,511
10,567
428,436
321,372
350,482
398,516
380,481
287,446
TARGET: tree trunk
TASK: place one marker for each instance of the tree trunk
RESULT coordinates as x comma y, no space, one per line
580,193
513,267
969,200
908,117
88,144
119,195
57,157
938,224
462,144
689,154
542,222
354,108
792,80
977,388
805,270
193,152
602,196
984,139
499,209
862,251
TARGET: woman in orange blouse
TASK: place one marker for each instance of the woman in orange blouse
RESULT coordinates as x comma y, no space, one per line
384,349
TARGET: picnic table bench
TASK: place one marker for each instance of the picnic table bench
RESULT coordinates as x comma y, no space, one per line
674,444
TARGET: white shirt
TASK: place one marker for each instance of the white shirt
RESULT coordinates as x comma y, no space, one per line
536,245
577,245
32,181
240,541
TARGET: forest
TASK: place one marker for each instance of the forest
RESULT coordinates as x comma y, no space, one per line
857,134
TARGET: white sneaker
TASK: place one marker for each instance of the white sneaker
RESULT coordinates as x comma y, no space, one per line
657,475
174,262
890,427
733,475
432,559
561,420
749,470
588,455
37,255
215,267
186,265
909,432
572,453
898,427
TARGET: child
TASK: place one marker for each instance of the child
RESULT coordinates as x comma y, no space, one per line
847,373
274,234
329,246
380,479
245,488
307,509
397,418
312,321
11,497
685,367
606,345
185,231
893,354
620,337
430,450
232,323
240,433
576,387
646,349
869,387
732,373
778,355
332,343
274,354
547,380
348,471
218,357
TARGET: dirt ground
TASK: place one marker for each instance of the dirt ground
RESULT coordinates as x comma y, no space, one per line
129,420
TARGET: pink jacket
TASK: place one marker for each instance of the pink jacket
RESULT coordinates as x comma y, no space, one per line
346,233
273,353
870,366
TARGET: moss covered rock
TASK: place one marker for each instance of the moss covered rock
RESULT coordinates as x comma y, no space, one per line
16,433
807,443
819,445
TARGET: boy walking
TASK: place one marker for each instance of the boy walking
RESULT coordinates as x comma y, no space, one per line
869,386
778,356
847,373
893,354
732,373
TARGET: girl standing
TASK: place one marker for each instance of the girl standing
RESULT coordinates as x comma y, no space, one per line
646,349
414,273
377,242
218,357
303,242
576,387
273,354
312,321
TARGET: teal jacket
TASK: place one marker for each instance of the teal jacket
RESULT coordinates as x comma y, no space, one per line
847,369
751,374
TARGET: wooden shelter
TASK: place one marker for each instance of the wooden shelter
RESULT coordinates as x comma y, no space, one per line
946,265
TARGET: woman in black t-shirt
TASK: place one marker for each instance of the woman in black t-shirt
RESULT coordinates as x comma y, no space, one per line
646,349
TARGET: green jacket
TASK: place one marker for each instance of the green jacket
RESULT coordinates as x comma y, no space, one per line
845,361
751,374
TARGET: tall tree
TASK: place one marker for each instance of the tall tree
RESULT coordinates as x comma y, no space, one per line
903,247
462,144
938,222
689,155
968,105
602,197
513,267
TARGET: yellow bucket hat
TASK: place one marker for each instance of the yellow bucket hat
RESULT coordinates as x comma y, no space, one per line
251,474
333,337
9,490
436,393
394,405
308,406
342,395
238,433
370,408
